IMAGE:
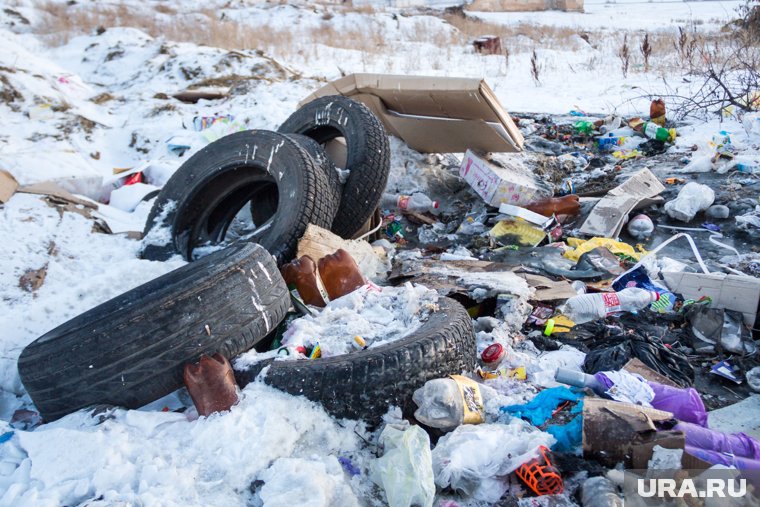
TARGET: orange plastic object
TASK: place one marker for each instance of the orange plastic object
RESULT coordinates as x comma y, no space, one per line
567,205
657,112
211,384
302,273
340,274
540,475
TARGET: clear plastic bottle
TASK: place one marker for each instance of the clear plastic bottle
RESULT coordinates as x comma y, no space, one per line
588,307
417,202
600,492
441,405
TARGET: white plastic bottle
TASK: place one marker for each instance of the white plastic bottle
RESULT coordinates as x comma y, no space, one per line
588,307
417,202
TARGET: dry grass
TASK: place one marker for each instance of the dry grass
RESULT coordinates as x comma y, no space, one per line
208,27
62,22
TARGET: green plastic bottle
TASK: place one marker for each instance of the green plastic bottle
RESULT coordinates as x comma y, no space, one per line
654,131
584,127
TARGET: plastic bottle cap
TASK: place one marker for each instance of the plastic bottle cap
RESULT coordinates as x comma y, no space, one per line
492,353
435,204
549,327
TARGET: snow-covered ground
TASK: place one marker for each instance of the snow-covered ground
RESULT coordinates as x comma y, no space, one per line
73,113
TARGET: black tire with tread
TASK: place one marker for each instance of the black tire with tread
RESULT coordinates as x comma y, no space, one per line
201,199
363,384
368,154
131,350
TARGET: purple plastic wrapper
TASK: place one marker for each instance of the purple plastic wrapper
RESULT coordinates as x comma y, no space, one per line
717,458
685,404
738,444
602,379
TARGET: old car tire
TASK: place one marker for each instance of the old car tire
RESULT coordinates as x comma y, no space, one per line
368,154
201,200
266,203
319,155
362,385
131,350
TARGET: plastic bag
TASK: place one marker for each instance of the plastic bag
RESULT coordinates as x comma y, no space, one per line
616,247
613,347
405,471
475,460
738,444
540,409
719,458
692,198
569,436
684,404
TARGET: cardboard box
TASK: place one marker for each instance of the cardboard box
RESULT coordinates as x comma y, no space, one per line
499,185
731,292
433,114
616,432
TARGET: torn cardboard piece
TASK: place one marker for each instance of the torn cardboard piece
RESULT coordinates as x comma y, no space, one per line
607,217
513,183
636,366
8,186
193,96
52,189
433,114
615,432
730,292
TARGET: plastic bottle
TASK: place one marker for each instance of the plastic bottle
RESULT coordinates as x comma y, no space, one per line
417,202
610,142
654,131
600,492
584,127
579,379
441,405
588,307
567,205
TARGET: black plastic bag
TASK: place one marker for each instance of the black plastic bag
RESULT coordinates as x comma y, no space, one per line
613,346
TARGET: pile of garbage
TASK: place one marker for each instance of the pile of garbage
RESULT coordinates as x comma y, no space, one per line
557,315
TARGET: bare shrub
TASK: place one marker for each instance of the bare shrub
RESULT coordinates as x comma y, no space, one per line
646,51
535,68
625,56
686,46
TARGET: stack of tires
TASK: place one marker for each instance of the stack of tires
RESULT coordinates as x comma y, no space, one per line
267,187
132,349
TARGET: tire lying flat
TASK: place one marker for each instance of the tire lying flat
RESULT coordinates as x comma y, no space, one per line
200,202
368,154
362,385
131,350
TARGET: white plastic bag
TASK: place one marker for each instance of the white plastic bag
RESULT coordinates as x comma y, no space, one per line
405,471
692,198
476,459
